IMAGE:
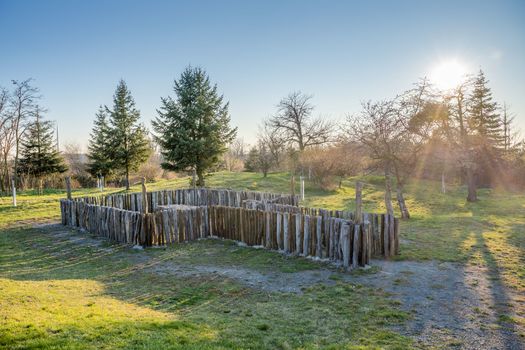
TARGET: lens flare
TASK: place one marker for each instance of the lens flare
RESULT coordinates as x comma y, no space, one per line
448,74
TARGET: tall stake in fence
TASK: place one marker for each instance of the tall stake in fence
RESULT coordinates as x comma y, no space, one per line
292,185
144,197
302,187
358,202
68,187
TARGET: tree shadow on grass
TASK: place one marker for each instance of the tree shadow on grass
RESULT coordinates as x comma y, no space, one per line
501,303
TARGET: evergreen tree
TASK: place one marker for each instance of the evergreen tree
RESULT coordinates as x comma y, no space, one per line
99,146
193,129
39,154
128,141
251,160
485,120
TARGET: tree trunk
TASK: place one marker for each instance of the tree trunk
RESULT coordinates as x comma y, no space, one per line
388,193
471,186
127,179
405,214
200,177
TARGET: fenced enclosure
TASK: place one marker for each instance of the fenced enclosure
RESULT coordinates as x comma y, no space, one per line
257,219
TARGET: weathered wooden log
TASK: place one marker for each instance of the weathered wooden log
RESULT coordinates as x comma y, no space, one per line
286,238
298,227
306,236
356,246
278,231
319,237
345,242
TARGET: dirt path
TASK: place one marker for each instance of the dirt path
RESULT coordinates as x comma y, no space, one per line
453,306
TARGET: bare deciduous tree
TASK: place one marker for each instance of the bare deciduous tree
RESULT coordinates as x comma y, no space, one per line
24,100
294,121
275,143
381,131
234,156
6,139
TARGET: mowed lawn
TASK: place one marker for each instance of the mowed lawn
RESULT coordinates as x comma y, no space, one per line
66,290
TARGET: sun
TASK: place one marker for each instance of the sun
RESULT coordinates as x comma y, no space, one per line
448,74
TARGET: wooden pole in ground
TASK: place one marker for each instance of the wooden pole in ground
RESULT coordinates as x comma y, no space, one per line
345,240
302,188
144,197
292,185
68,187
358,202
14,192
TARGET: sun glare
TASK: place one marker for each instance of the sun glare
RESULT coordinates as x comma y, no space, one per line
448,74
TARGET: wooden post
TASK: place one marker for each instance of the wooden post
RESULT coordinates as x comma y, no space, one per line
292,185
298,234
358,202
306,236
396,236
345,241
386,246
286,245
68,187
144,197
278,231
14,192
318,247
356,245
268,239
302,187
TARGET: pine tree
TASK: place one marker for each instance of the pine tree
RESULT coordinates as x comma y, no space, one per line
99,146
485,120
39,155
129,144
251,163
193,129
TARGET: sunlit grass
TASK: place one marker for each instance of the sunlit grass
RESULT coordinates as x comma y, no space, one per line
89,295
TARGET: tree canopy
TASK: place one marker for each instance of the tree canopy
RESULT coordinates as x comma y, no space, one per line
39,154
193,128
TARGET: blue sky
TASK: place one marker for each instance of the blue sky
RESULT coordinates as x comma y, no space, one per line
342,52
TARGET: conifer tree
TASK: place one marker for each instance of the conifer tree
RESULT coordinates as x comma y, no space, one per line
251,160
193,128
485,120
128,142
39,154
99,146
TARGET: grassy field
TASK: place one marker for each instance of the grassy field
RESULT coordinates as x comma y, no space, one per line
57,293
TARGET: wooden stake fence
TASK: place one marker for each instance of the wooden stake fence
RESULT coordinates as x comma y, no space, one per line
318,233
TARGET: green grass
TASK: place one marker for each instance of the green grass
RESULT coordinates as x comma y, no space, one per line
45,283
58,294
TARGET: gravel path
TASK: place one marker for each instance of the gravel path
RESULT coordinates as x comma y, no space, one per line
460,307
